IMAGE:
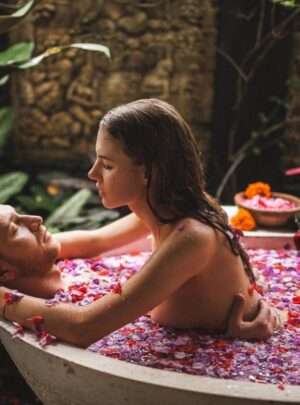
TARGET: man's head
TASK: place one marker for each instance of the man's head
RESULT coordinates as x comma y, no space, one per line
27,250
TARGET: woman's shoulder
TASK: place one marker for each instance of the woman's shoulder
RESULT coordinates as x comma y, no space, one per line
191,242
194,229
194,225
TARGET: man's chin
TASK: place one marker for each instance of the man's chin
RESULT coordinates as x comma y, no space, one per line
52,251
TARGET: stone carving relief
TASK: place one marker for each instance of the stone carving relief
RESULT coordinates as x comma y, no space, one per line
159,49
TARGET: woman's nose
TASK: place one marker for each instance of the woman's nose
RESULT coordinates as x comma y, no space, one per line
93,174
90,173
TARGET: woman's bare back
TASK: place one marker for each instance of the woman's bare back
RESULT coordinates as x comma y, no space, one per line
205,300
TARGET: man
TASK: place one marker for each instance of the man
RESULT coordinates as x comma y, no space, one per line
27,254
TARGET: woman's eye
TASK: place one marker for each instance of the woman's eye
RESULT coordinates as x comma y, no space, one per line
106,167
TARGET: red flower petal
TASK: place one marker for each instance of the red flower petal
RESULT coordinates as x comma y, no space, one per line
134,252
11,297
251,288
117,289
19,330
296,300
37,322
46,339
8,298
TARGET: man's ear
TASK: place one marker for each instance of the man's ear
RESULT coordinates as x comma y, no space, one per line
7,272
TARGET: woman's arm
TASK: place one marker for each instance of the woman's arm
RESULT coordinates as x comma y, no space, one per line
91,243
161,276
267,320
61,320
69,323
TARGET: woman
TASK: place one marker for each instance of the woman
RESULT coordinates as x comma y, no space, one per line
148,160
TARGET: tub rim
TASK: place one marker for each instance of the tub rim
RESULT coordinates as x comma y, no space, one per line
158,377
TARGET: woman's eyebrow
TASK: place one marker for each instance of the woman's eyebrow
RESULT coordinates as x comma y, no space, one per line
105,157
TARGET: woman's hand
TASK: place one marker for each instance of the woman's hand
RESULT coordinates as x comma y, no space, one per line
267,320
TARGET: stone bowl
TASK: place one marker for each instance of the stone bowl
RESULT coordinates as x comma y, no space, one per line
267,217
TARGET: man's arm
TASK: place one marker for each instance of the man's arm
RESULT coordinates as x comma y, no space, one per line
92,243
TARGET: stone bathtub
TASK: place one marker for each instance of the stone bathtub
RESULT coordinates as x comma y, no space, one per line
61,374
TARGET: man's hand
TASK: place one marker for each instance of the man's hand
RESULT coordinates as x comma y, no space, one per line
267,320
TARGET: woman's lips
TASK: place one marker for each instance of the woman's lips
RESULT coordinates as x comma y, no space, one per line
100,191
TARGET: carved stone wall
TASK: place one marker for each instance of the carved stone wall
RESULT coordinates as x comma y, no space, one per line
160,48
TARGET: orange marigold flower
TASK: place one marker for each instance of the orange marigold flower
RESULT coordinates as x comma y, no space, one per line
52,189
243,220
258,188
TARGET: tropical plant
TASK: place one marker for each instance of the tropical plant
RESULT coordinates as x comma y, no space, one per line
20,57
65,202
11,184
269,126
65,208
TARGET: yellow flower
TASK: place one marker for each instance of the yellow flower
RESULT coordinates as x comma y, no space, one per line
52,190
243,220
258,188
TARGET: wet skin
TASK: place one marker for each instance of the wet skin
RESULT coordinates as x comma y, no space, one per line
27,250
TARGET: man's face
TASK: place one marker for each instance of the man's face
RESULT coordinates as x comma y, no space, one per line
25,243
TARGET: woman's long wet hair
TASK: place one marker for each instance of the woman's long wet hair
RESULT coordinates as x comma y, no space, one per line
154,134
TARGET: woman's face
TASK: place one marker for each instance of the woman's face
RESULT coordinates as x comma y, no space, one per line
25,243
118,179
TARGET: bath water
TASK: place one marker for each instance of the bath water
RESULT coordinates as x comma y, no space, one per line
146,343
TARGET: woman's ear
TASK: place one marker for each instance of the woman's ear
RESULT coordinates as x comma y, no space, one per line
147,174
145,179
7,272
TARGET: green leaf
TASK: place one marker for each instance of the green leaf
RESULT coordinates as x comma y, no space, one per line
27,202
6,123
4,80
18,53
92,47
57,49
286,3
256,151
38,59
37,200
88,220
24,10
70,208
11,184
9,21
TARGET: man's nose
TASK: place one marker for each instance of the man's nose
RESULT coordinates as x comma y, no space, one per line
32,221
